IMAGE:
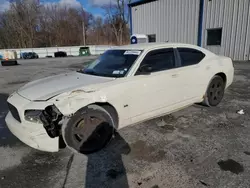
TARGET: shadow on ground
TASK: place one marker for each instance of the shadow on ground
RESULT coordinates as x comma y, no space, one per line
106,168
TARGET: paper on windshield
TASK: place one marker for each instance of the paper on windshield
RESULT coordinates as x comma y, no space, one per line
132,52
116,72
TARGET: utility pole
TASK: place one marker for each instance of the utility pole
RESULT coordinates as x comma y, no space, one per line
83,34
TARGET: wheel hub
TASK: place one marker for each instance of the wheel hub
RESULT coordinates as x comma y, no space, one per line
216,91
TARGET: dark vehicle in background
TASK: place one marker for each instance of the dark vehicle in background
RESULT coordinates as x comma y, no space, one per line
29,55
23,55
60,54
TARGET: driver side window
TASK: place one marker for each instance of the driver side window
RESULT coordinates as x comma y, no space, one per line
157,60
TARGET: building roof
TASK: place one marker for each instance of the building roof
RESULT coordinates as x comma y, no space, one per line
140,2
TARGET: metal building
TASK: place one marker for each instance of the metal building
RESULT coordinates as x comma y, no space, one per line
222,26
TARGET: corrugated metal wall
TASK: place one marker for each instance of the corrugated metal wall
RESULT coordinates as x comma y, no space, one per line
170,20
177,21
233,16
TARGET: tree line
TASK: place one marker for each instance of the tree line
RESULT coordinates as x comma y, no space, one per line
28,24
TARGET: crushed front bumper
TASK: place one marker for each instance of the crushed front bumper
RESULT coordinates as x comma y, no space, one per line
38,139
32,134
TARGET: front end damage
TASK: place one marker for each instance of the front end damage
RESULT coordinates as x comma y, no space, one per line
44,112
56,116
28,127
51,118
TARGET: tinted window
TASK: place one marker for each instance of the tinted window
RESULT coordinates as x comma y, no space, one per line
190,56
113,63
214,36
160,60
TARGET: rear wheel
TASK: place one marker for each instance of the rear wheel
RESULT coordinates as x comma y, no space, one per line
89,130
215,91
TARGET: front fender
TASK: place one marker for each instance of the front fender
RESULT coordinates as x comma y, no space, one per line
70,103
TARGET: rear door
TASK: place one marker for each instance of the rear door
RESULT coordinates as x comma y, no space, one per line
191,73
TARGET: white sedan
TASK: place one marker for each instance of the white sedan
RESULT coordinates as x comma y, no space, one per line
124,86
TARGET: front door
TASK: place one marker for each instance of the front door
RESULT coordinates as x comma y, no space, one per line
154,85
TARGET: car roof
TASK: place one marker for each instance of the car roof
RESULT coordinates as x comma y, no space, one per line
149,46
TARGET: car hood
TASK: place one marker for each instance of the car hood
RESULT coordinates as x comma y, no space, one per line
52,86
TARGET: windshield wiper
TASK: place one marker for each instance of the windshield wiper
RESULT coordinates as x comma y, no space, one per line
88,71
92,72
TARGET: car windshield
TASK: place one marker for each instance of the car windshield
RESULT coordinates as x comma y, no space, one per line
113,63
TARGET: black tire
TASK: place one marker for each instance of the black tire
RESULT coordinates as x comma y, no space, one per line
9,62
89,130
215,91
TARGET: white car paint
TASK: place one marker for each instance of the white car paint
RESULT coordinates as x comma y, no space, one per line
135,98
41,90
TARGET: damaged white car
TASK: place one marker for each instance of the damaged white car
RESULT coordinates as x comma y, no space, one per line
124,86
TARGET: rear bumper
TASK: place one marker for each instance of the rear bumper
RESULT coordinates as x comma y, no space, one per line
38,139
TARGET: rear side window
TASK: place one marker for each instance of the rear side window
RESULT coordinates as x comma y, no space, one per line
190,56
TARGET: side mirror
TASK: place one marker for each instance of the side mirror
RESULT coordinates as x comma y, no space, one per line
145,69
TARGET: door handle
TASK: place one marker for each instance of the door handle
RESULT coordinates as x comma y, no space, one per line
174,75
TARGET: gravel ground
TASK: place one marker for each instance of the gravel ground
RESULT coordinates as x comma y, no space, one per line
195,147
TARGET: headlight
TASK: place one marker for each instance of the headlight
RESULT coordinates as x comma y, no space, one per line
33,116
